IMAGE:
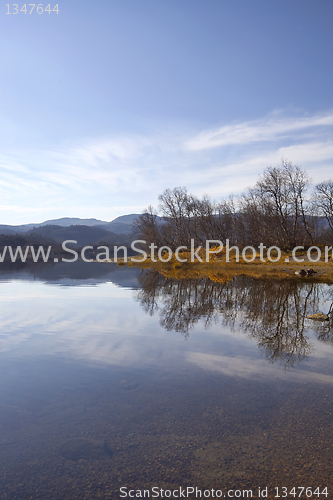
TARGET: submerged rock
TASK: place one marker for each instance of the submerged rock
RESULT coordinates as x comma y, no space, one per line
129,385
81,448
318,317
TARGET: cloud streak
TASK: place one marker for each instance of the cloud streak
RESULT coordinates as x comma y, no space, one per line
103,177
267,129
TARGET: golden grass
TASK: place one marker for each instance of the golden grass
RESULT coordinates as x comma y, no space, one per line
220,270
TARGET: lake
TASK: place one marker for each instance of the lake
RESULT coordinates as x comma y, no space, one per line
114,377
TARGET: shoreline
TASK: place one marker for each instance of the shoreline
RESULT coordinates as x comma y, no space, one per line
219,270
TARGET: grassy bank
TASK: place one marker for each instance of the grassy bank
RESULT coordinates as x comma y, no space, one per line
220,270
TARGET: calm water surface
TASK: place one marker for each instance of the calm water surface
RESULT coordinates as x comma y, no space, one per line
114,377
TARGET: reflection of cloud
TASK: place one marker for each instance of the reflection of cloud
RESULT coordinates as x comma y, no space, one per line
99,324
103,324
244,367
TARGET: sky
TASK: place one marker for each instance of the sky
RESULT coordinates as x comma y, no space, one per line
109,102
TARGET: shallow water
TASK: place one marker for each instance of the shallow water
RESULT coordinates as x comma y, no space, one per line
114,377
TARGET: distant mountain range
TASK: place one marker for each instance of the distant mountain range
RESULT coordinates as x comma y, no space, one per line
122,224
120,231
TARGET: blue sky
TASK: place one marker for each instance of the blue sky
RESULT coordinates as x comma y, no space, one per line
108,103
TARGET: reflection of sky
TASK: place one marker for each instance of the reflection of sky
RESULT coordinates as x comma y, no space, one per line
105,325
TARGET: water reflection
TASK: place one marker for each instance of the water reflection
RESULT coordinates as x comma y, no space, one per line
96,395
71,273
272,312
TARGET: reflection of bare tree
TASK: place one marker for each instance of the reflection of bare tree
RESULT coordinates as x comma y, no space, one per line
275,316
324,329
273,312
181,303
152,283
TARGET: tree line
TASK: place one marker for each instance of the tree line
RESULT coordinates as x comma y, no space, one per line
277,211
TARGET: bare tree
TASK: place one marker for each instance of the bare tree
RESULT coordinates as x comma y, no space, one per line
283,190
148,228
177,207
323,200
275,211
226,220
254,222
298,182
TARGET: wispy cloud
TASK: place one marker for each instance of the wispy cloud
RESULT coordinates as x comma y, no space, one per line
267,129
105,177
